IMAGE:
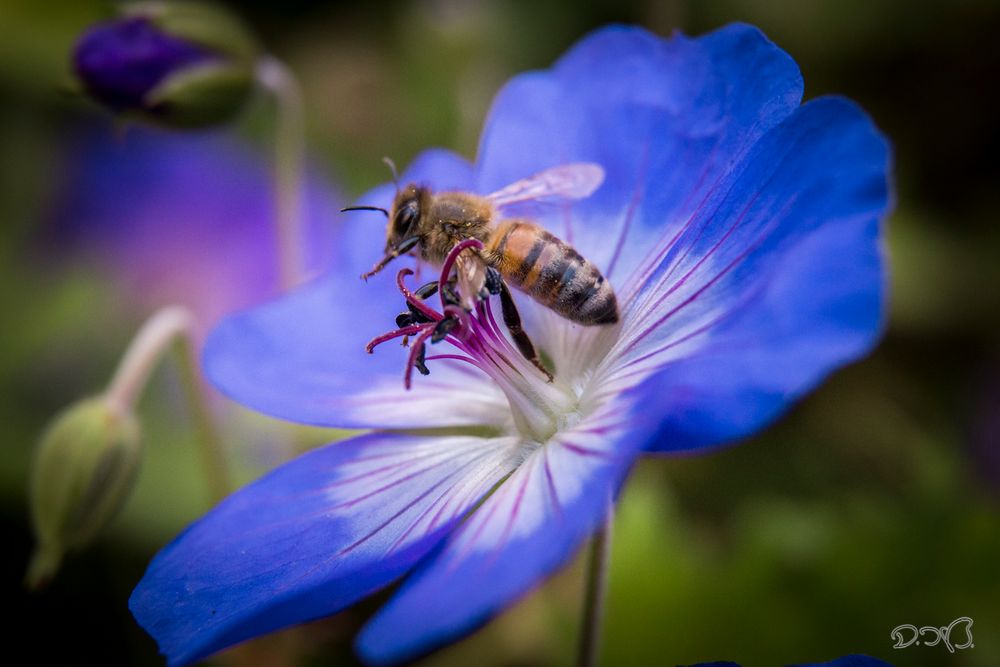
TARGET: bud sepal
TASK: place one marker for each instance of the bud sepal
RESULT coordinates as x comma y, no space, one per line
84,469
179,64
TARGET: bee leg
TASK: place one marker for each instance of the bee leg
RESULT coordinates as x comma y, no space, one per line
492,283
513,321
425,292
403,247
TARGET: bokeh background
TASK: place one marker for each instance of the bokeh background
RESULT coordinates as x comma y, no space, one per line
875,502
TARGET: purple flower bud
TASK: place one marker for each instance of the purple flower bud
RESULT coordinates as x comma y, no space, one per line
177,64
121,61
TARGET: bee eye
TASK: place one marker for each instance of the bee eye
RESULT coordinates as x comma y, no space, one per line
406,216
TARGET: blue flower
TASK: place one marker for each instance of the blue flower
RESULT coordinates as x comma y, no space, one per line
742,235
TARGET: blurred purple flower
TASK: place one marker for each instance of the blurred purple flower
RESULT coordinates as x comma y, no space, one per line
984,438
179,218
742,234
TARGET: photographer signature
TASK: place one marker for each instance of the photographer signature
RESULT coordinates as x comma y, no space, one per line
908,635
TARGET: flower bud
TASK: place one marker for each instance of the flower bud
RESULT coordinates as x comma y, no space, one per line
180,64
83,471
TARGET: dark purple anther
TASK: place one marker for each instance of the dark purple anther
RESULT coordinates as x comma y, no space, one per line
121,61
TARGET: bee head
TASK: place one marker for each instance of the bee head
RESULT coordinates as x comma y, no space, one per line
404,218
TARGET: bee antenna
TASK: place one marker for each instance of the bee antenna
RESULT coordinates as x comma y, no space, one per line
366,208
392,168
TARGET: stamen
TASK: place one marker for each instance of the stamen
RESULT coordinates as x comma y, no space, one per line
415,349
413,299
403,331
449,261
453,357
464,320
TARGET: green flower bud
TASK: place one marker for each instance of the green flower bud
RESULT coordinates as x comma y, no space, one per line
181,64
83,471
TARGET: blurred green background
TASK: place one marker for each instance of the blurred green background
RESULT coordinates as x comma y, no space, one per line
873,503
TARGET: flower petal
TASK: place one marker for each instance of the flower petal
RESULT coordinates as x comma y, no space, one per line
302,357
665,118
521,533
312,537
773,284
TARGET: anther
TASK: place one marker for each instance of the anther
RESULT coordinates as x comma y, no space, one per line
443,328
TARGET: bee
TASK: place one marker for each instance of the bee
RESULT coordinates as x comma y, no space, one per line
515,251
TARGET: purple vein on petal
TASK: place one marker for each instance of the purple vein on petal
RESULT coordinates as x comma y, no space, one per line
648,266
622,375
551,482
485,520
470,544
392,484
408,506
664,279
515,511
729,267
405,509
674,342
649,310
428,451
325,561
447,495
583,450
605,427
458,498
633,205
376,471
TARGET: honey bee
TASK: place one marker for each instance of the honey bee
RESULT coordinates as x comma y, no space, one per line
515,251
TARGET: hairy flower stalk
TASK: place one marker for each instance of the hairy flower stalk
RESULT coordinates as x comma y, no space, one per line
289,159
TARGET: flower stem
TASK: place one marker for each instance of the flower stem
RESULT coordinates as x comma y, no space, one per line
144,352
594,594
156,336
212,449
289,158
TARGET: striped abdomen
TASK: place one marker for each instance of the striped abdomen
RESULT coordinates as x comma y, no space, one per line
551,272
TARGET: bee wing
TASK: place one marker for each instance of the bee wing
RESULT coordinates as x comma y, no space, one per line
568,181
